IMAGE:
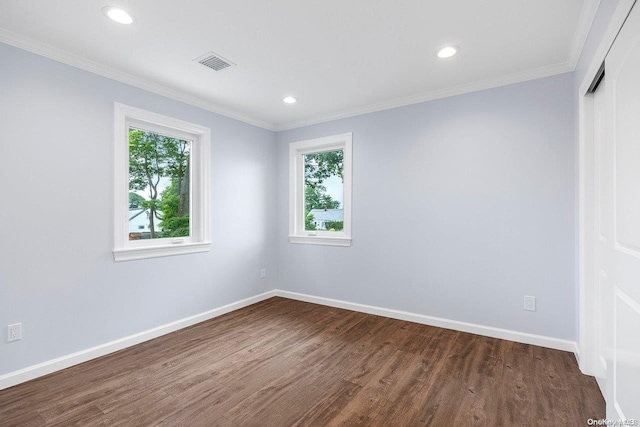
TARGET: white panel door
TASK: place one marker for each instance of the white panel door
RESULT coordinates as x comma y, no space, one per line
618,256
603,221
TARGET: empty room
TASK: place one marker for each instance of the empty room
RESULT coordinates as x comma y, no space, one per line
295,213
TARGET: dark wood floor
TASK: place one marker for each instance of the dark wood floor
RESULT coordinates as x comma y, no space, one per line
283,363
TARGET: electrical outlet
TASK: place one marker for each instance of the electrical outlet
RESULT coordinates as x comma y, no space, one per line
529,303
14,332
263,273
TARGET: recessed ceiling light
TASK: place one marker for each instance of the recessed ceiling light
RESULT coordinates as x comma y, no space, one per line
121,16
289,100
447,51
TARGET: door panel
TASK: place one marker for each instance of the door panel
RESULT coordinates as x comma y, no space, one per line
603,199
600,157
627,145
620,257
626,353
603,293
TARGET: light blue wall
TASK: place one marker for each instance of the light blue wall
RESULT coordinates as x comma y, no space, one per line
461,206
57,274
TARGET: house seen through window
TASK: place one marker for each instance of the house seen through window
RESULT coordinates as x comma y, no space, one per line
320,175
323,195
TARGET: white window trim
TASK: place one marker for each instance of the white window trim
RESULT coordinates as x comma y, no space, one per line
200,236
297,150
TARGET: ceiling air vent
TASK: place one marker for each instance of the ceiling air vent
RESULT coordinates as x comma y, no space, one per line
214,61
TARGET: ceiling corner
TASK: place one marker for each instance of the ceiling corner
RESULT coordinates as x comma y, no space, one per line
582,30
65,57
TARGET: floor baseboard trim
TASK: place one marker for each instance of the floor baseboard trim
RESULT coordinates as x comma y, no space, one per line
576,353
489,331
602,386
50,366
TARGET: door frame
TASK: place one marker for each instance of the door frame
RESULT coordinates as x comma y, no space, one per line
587,303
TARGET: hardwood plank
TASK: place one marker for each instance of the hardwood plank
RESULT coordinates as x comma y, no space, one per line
405,406
282,362
373,396
282,401
330,405
23,418
20,403
79,416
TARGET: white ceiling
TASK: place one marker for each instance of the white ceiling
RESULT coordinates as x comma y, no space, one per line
338,57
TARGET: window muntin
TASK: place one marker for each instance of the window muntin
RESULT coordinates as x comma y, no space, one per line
320,177
162,180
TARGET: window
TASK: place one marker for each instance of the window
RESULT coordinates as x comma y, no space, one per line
162,185
320,191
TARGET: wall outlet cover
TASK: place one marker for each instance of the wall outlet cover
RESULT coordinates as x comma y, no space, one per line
14,332
529,303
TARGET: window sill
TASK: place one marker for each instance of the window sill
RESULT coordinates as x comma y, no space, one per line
321,240
130,254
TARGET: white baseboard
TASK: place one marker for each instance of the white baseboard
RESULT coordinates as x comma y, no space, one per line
489,331
41,369
576,352
602,385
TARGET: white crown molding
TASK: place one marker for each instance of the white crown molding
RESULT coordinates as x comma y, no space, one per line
588,14
584,25
518,77
74,60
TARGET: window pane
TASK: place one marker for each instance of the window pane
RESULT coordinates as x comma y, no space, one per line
323,196
159,185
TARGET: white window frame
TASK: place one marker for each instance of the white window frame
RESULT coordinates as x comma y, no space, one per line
297,151
199,239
